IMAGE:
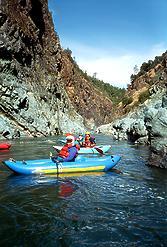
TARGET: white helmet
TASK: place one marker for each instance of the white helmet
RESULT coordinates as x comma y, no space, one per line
70,138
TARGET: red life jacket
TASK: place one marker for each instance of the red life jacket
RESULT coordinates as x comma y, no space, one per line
87,142
64,152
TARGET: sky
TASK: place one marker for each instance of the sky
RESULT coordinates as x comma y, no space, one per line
110,37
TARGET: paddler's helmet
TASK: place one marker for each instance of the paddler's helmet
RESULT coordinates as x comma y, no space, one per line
70,139
87,133
68,134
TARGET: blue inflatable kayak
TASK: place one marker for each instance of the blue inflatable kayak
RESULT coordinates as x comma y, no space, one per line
46,166
94,150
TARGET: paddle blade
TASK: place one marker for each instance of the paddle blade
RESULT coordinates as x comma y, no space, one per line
100,151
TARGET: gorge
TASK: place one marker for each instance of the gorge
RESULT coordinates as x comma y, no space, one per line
43,91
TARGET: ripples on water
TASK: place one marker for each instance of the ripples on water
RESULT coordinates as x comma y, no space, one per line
97,209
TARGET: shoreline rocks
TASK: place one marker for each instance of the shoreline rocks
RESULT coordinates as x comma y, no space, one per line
146,125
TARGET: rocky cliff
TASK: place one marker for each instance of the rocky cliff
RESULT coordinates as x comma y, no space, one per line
144,119
42,92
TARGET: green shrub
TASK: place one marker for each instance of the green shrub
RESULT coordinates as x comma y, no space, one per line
144,96
115,94
127,100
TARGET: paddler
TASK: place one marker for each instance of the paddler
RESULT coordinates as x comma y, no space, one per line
89,140
68,152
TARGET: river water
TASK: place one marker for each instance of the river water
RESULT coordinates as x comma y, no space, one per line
94,209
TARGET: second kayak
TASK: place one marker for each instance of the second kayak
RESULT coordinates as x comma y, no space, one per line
93,150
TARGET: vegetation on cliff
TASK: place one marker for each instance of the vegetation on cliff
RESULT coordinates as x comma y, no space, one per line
115,94
151,64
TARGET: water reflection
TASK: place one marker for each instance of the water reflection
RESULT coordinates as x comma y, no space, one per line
66,189
15,181
66,186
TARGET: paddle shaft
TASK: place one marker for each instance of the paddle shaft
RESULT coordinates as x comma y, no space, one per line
99,150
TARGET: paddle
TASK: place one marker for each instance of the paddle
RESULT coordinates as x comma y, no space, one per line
55,161
57,150
100,151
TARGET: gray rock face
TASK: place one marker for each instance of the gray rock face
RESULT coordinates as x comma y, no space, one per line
130,128
146,125
156,125
25,111
33,100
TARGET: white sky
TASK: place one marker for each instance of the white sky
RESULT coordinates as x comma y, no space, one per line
114,69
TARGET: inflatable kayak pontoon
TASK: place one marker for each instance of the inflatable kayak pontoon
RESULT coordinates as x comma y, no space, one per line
93,150
46,166
4,146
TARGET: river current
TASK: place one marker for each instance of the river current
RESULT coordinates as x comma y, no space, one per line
125,207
